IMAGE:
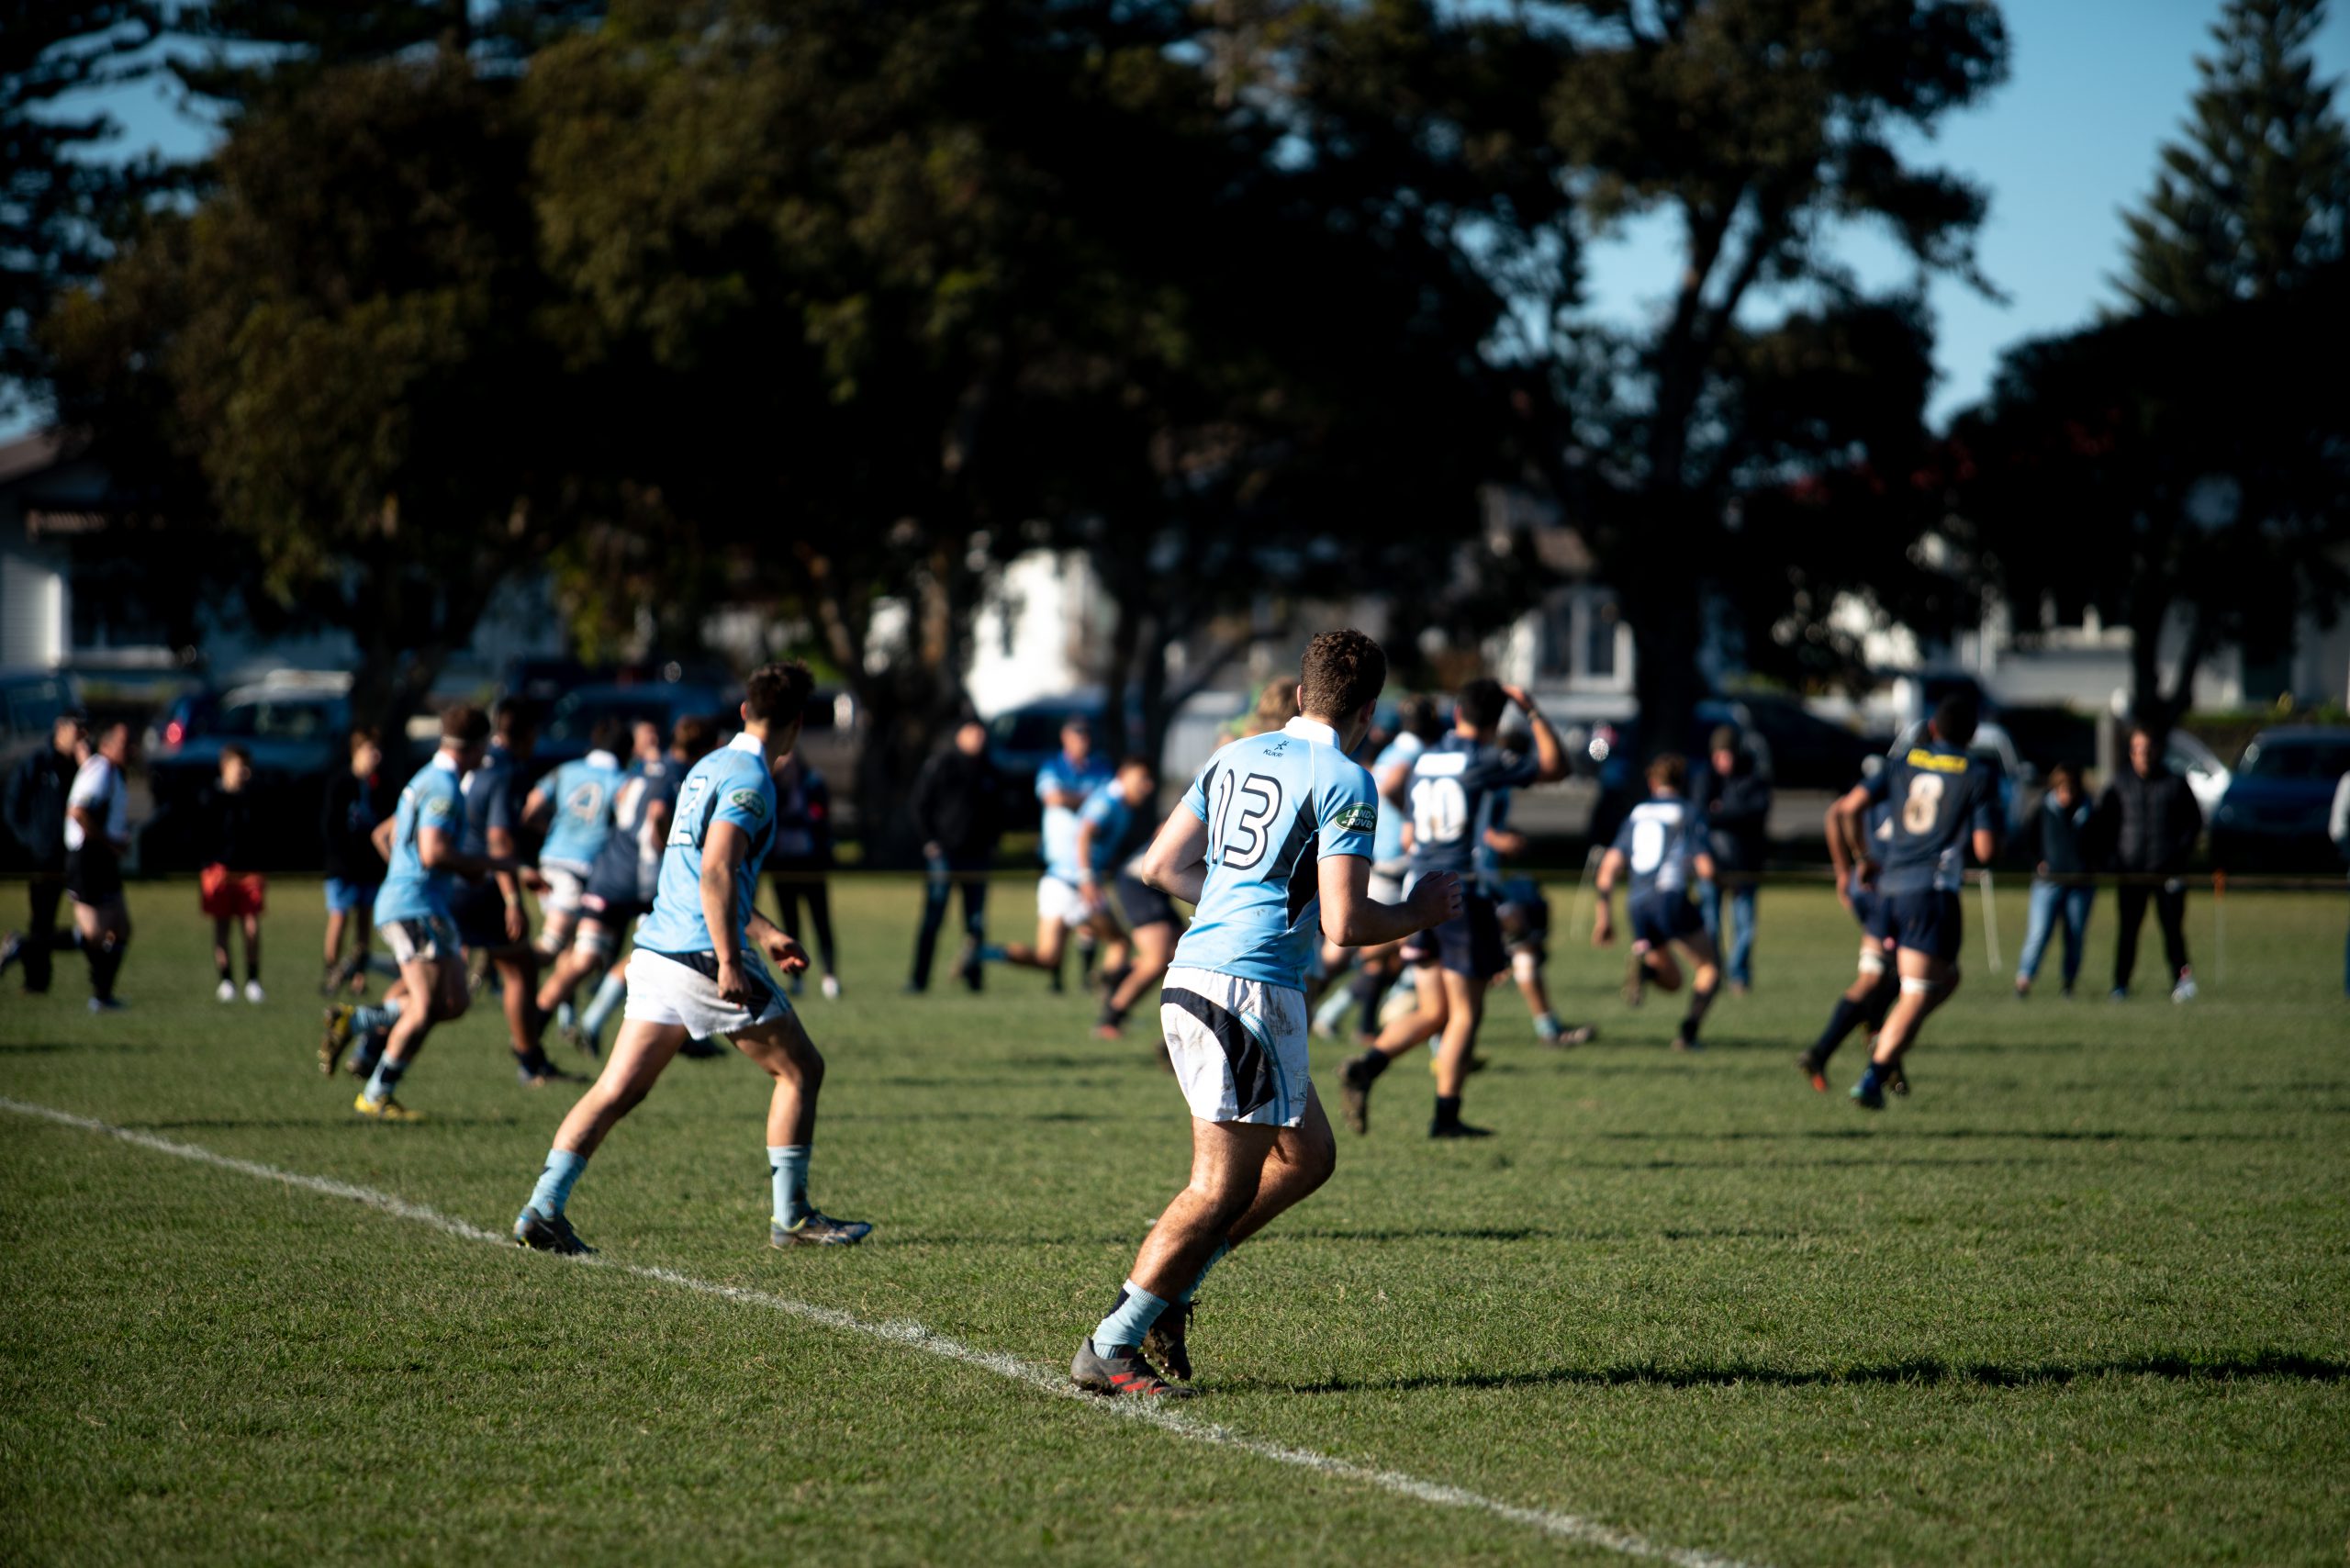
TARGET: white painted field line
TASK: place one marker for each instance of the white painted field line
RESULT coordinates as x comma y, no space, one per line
914,1336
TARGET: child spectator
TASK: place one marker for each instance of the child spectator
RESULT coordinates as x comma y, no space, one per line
231,890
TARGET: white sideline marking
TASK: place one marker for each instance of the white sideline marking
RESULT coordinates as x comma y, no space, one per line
913,1336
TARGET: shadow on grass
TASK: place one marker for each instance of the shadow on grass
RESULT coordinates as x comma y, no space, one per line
79,1047
1536,1232
2270,1366
2058,1135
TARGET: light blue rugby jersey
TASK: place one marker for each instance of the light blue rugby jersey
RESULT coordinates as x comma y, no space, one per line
1275,805
731,785
433,799
1059,828
1112,819
1404,750
582,792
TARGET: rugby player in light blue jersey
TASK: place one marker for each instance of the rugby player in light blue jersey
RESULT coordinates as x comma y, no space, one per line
419,847
1273,844
1944,803
692,975
572,806
1063,785
1110,829
1658,846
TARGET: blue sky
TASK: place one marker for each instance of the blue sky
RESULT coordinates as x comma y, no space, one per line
2095,86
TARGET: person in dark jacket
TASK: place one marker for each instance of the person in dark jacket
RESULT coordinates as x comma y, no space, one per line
800,855
347,821
958,810
230,889
2056,839
1732,800
35,815
2149,817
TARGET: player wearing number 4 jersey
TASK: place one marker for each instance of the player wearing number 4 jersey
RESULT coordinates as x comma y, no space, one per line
1944,802
1455,784
691,975
1273,844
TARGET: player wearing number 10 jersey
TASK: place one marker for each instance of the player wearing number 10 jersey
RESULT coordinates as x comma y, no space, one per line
1455,784
1943,801
1272,843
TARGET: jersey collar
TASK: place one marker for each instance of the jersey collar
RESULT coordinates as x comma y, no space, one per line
1306,729
446,758
602,759
747,742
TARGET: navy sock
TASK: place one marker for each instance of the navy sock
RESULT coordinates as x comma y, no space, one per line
1447,1110
1841,1022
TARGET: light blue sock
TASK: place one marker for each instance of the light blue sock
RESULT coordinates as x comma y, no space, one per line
1135,1310
991,952
555,1178
564,1017
367,1020
788,1167
386,1080
1213,1259
609,996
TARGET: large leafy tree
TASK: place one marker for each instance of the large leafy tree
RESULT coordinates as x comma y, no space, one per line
2252,201
1755,129
335,359
58,193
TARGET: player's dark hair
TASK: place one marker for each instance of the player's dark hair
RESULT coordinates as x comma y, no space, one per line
514,717
2157,736
777,692
237,750
2064,770
694,735
1482,702
1724,738
1955,719
1136,759
364,735
1341,671
609,733
1416,715
465,723
1671,769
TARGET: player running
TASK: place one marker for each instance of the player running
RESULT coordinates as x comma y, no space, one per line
1658,845
692,974
1453,784
622,882
413,912
1944,802
1273,844
573,805
1064,784
1870,996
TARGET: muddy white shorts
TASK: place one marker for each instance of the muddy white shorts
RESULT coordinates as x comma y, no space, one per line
1237,1046
665,987
565,884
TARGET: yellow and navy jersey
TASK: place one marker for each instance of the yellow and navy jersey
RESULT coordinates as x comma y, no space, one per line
1937,796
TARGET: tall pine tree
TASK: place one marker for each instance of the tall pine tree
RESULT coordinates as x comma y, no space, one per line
2252,203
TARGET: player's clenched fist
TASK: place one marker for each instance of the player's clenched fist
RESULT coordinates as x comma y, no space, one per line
1436,898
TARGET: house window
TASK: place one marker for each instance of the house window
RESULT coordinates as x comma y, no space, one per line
1598,641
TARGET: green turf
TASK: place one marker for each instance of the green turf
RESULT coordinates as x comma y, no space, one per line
2081,1300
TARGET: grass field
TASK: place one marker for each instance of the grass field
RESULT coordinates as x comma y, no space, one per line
2084,1298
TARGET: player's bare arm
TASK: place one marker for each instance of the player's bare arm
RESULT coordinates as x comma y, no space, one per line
723,850
537,807
1352,918
1603,917
436,850
1549,755
782,947
380,836
1176,863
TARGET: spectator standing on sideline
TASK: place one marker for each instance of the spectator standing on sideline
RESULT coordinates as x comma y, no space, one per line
2152,821
347,821
958,810
35,815
1733,803
98,835
2337,827
2056,839
228,889
802,854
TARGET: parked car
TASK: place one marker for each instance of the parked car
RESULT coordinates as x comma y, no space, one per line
2207,776
189,716
2273,816
295,724
566,726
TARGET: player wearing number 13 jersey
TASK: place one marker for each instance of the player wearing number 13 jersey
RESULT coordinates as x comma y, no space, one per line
1273,844
1943,801
1454,787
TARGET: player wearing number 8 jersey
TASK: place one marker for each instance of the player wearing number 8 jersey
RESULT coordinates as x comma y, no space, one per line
1943,801
1272,843
1454,786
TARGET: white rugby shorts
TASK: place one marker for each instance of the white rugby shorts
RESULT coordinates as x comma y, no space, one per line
666,990
565,886
1237,1046
1058,900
